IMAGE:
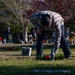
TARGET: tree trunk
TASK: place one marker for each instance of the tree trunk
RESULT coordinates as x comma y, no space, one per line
26,35
25,31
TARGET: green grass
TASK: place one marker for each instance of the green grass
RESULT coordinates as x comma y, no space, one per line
13,63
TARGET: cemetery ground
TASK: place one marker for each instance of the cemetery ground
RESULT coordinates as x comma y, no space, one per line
13,63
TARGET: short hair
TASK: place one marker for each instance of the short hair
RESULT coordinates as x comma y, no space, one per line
45,20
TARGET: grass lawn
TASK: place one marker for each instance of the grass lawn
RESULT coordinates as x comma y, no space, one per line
13,63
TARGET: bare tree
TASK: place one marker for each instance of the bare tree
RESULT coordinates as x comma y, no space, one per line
18,8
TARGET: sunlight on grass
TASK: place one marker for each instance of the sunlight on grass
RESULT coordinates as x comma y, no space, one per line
14,62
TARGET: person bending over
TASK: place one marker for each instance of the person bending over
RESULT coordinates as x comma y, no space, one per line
49,20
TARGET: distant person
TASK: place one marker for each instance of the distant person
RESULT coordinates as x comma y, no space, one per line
67,34
4,40
49,20
33,32
10,39
0,40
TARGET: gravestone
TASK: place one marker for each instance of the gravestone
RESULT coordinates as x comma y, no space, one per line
26,51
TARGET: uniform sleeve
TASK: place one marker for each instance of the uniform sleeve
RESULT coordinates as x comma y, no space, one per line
57,37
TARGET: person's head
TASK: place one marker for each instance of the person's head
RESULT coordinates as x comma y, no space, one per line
45,21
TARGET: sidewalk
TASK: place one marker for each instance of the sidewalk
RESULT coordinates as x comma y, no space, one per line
21,45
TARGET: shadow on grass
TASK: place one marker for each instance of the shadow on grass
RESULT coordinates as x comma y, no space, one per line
15,70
